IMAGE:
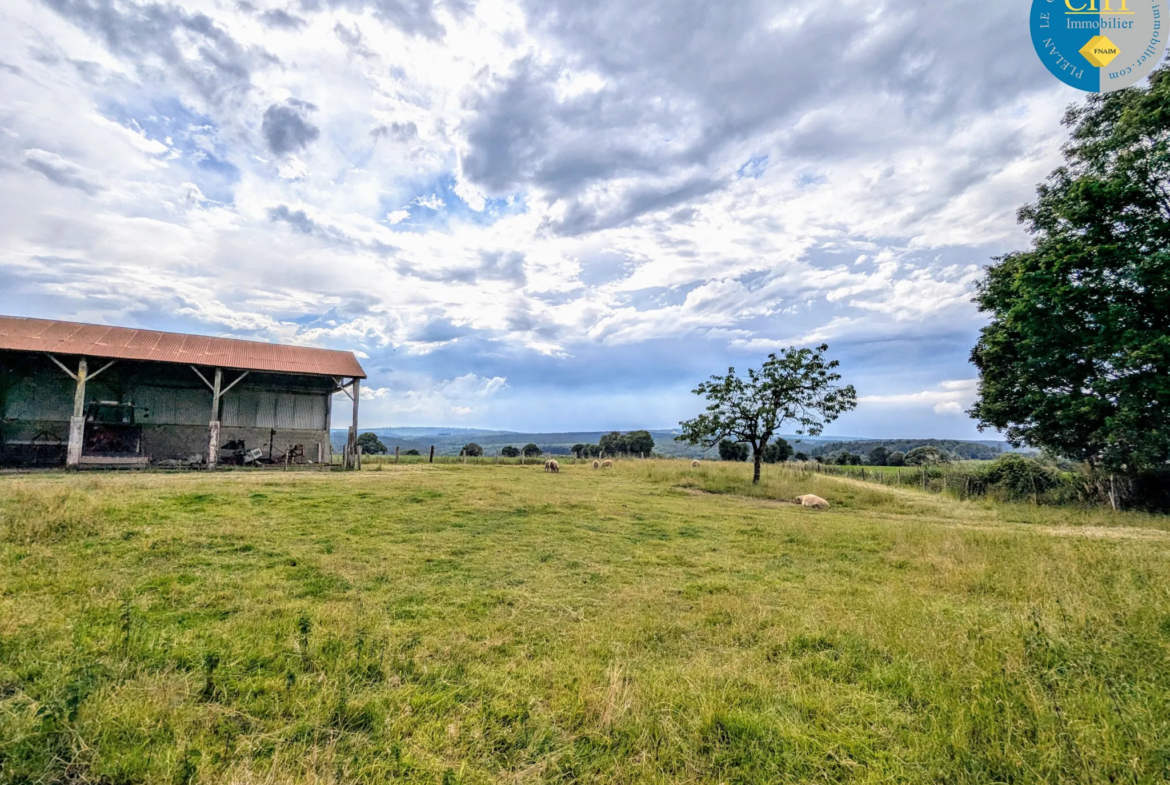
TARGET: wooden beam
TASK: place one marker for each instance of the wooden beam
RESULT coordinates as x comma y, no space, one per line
204,378
216,393
79,393
99,370
61,365
213,426
77,421
233,384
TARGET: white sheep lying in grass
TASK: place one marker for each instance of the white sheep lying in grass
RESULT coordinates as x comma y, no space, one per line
808,500
694,464
552,466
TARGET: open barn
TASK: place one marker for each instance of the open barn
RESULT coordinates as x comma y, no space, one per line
84,395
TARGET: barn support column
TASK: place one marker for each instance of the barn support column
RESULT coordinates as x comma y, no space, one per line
77,421
213,426
355,458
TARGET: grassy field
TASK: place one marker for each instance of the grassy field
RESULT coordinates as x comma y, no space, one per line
488,623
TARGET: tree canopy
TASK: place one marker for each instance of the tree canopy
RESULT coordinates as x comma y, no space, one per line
472,450
1076,358
925,456
796,385
531,450
778,451
632,443
733,451
371,444
508,451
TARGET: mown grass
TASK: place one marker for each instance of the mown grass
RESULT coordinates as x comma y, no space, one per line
653,623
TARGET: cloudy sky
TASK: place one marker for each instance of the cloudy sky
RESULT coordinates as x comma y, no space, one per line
542,215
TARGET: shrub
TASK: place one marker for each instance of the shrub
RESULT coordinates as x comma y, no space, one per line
472,450
926,456
508,451
897,458
1017,477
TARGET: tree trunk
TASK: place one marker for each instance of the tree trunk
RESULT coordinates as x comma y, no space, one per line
756,470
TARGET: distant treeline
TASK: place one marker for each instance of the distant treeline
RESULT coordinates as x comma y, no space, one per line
958,449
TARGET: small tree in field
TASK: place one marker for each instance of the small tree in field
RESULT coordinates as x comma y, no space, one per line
797,385
733,451
472,450
371,444
532,451
508,451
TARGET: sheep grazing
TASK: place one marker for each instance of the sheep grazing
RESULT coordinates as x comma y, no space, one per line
606,464
808,500
694,464
597,464
552,466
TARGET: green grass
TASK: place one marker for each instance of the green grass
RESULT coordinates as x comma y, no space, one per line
487,623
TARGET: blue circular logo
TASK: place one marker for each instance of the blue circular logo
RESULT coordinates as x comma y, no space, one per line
1099,45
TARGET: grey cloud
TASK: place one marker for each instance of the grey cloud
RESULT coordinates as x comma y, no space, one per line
494,265
12,69
286,128
581,218
399,132
278,17
61,171
688,82
353,40
416,17
192,46
297,219
300,222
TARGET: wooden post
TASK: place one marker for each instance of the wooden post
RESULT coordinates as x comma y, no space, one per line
214,425
358,463
432,458
396,453
355,454
77,421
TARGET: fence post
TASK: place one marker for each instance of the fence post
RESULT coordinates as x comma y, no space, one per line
432,459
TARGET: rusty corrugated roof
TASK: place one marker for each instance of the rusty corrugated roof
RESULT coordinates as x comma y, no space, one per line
124,343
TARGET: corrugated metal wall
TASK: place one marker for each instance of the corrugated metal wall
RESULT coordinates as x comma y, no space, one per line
41,397
171,406
46,397
263,409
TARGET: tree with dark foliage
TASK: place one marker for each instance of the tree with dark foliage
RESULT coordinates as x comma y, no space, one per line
508,451
733,451
797,385
1076,358
472,450
371,444
778,451
531,450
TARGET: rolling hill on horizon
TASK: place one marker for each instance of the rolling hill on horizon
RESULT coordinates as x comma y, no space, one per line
449,441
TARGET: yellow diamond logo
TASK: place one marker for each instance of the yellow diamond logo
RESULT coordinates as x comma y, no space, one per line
1100,51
